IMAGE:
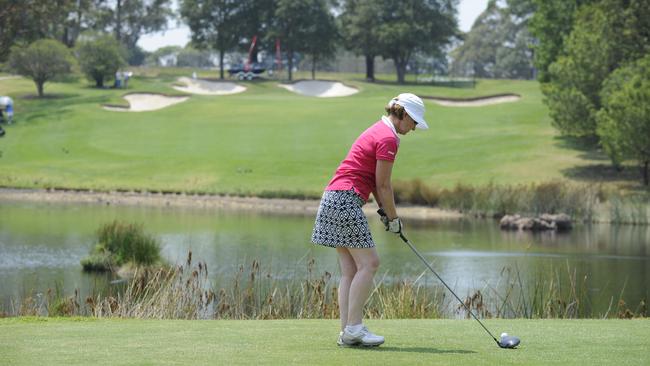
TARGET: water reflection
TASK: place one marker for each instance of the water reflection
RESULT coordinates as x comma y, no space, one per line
41,245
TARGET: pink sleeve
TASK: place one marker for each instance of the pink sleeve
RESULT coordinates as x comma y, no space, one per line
386,149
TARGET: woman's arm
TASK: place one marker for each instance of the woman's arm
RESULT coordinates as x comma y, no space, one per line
384,190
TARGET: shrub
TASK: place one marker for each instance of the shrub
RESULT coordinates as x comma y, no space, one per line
100,58
42,61
120,243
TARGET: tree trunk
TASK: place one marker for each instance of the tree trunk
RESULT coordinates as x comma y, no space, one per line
370,68
222,53
645,173
99,81
39,87
400,66
290,62
118,21
313,69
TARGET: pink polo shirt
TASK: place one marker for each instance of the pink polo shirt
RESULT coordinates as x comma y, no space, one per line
357,170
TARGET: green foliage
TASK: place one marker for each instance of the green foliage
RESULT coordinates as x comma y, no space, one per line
358,24
190,57
120,243
418,26
42,61
605,35
550,24
321,38
100,58
497,46
214,24
128,20
571,111
136,56
624,121
298,24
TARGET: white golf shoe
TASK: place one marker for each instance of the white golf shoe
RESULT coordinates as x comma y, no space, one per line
362,338
339,342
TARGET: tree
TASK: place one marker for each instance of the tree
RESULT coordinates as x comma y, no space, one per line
624,120
479,49
100,58
605,36
498,44
256,20
128,20
22,22
320,38
414,26
295,27
42,61
551,23
215,24
191,57
359,24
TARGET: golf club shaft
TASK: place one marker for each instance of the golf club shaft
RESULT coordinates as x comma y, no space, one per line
443,282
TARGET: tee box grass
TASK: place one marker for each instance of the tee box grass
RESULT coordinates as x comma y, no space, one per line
91,341
267,139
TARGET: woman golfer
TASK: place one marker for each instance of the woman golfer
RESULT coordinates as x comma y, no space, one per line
340,222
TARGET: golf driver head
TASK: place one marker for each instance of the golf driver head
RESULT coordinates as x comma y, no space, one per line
508,341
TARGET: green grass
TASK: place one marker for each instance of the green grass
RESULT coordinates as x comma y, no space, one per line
268,139
29,341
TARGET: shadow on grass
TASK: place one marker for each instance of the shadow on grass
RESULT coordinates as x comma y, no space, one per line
587,146
603,173
417,350
459,84
49,96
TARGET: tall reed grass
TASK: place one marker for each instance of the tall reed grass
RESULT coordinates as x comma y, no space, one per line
492,200
630,209
184,292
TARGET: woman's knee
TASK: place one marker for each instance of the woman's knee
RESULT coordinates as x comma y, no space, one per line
370,264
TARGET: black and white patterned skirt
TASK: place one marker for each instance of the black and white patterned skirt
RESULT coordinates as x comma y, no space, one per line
340,222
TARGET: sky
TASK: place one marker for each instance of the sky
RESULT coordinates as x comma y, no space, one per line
179,35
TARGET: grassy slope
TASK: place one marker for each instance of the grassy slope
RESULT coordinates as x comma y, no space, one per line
267,138
311,342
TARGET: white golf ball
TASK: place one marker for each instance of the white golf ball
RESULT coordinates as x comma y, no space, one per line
504,335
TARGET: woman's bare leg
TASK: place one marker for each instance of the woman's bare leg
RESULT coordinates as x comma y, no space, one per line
348,270
367,262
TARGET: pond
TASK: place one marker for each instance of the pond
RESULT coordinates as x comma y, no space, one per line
41,246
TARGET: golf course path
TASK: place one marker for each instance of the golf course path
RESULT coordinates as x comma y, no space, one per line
206,87
320,88
142,102
474,102
230,203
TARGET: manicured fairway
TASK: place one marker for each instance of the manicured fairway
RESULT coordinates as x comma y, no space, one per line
267,138
312,342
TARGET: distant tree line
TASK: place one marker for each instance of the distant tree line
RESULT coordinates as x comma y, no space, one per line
315,29
396,30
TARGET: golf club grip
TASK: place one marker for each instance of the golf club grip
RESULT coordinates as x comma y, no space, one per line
401,234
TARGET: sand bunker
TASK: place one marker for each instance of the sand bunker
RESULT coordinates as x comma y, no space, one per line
204,87
322,89
475,102
142,102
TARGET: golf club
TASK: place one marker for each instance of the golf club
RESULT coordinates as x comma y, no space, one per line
506,340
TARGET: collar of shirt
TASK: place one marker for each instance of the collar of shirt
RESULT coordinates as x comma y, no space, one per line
388,123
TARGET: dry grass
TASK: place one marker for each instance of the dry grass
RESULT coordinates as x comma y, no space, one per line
184,292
